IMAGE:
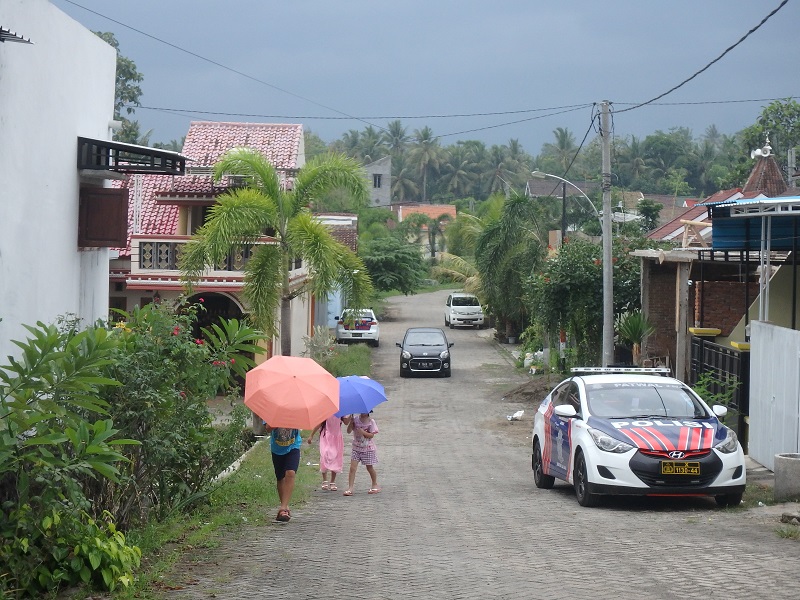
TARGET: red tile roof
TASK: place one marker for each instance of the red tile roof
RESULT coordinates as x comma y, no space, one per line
205,143
674,229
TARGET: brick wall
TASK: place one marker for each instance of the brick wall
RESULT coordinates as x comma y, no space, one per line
661,311
723,303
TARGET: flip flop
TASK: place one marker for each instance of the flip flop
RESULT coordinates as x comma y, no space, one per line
283,515
347,493
374,490
333,487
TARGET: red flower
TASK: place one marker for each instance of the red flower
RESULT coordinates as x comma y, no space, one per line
199,342
176,330
201,300
232,361
183,394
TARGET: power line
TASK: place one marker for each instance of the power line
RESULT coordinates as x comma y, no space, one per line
218,64
728,49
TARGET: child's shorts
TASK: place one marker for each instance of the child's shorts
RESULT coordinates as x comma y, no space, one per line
365,457
286,462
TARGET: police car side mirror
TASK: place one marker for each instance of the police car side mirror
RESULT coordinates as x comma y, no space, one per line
398,344
566,411
720,410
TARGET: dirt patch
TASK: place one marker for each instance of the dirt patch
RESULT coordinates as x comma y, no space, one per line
525,397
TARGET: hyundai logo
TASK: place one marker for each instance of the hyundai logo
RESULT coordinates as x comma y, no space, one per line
676,454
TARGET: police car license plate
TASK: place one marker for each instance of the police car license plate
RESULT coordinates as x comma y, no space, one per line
669,467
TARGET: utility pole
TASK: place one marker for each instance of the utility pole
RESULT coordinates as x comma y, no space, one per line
563,212
608,267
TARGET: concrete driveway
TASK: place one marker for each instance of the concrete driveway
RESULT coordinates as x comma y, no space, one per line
459,516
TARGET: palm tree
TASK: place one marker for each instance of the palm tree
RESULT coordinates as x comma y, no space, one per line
459,171
404,184
395,137
427,155
371,146
418,225
564,148
242,216
507,254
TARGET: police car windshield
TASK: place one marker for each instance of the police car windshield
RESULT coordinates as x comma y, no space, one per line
628,400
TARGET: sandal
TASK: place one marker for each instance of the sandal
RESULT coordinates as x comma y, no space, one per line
347,493
283,515
325,486
374,490
333,487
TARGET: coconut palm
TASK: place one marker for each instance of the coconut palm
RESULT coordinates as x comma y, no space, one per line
404,182
395,137
243,216
427,155
563,150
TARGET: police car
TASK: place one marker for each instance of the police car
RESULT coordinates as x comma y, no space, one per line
636,432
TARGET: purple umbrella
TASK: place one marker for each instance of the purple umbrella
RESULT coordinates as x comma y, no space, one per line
359,395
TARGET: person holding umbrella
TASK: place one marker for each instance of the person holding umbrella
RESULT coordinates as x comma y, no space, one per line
285,446
364,451
331,449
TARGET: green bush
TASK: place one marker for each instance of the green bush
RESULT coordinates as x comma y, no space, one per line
48,446
166,378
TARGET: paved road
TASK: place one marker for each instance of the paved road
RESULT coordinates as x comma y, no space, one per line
459,516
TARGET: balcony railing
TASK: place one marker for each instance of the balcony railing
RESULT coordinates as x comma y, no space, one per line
151,254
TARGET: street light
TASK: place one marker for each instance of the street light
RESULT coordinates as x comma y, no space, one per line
608,272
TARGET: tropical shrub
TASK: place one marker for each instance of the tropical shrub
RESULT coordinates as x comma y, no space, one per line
166,376
632,327
51,440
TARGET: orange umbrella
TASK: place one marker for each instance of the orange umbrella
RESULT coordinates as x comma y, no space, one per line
292,392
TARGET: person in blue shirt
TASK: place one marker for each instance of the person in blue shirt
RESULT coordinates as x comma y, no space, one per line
285,446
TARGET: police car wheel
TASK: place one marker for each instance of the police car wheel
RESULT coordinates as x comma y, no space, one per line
582,486
542,481
728,499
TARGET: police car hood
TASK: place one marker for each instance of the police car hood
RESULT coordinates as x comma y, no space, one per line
664,434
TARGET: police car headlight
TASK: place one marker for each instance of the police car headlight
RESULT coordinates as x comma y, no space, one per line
730,444
406,355
606,443
445,354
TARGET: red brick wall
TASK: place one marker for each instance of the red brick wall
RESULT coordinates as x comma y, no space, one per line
661,310
723,303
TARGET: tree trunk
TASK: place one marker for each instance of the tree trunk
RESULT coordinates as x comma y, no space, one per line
636,352
286,326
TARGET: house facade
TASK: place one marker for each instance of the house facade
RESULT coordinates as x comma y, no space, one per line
58,216
164,213
379,180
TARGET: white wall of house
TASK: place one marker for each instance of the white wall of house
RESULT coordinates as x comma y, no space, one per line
51,92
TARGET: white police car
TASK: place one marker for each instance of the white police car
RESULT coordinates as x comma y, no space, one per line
635,432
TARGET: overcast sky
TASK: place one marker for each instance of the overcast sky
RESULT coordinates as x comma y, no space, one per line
336,66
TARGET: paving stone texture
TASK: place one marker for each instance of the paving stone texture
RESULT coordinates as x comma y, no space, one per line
460,517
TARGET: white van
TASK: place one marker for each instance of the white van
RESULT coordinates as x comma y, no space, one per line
463,309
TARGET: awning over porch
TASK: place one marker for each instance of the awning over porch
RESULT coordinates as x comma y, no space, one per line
105,155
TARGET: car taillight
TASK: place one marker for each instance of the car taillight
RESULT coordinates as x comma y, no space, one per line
373,323
341,322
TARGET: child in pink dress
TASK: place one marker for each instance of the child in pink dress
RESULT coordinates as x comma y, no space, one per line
331,449
364,451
